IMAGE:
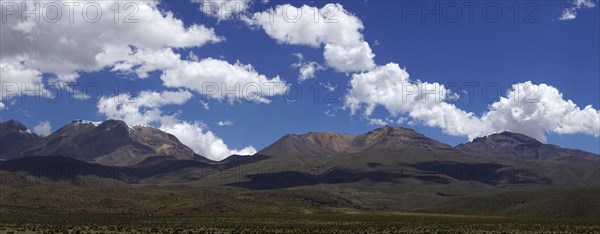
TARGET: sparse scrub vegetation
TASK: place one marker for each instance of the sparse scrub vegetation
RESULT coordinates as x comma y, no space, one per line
19,220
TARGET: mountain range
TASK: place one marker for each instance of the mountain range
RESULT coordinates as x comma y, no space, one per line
111,142
385,139
387,168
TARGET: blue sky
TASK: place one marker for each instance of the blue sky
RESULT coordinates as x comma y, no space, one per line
533,45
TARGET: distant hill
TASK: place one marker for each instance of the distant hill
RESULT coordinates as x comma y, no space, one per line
522,147
59,168
396,158
388,168
321,144
388,154
15,138
111,142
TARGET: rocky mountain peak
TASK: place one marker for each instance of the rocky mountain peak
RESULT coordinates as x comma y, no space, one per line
14,138
390,138
12,126
511,138
85,122
384,139
509,144
334,142
114,125
391,131
111,142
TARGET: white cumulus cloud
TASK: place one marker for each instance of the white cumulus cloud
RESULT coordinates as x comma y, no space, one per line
71,44
531,109
204,142
378,122
43,128
221,80
349,58
225,123
144,109
331,25
570,13
214,78
535,109
306,69
223,9
19,80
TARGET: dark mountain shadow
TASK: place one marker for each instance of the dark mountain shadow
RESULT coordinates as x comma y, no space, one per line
374,164
429,172
339,176
153,166
288,179
238,160
60,168
487,173
276,180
